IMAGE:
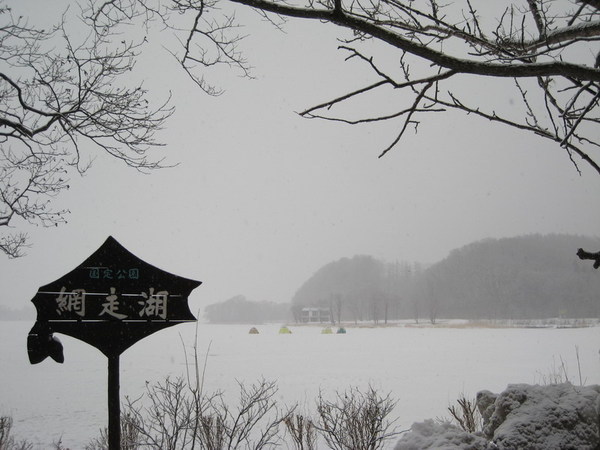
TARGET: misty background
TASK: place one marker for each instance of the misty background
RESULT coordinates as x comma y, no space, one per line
521,278
259,199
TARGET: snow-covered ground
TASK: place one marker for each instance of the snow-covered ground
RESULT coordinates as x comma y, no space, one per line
424,368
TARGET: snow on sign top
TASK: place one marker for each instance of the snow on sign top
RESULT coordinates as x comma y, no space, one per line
111,300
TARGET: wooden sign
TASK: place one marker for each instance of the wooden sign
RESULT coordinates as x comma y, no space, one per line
111,300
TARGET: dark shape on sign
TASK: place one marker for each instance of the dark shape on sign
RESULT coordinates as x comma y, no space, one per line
41,344
110,301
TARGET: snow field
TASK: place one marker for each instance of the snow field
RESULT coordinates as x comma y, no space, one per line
423,368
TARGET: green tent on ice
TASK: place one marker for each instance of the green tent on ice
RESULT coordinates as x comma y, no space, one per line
284,330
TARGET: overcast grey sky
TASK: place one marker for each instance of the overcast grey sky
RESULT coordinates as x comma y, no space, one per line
261,198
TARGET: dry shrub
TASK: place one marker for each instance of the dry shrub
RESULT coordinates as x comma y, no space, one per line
466,415
356,420
129,436
8,442
302,431
179,416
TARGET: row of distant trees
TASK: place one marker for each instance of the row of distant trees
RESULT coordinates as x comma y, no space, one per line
359,288
524,277
515,278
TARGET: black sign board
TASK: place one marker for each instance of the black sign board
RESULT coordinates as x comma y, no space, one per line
112,300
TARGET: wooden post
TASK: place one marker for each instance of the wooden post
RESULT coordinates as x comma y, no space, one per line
114,404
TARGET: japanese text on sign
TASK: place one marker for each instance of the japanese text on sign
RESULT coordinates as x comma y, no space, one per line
105,273
150,304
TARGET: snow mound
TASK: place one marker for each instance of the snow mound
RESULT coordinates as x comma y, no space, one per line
559,416
440,436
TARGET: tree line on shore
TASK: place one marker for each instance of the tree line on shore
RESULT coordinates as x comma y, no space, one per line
524,277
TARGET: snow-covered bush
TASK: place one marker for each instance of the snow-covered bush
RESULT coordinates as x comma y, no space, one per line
432,434
559,416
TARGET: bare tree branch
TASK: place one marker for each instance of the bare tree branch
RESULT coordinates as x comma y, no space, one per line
501,47
548,52
591,256
55,95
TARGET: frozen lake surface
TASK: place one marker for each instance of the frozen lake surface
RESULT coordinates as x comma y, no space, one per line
423,368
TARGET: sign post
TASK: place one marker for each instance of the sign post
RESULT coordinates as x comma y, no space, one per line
110,301
114,404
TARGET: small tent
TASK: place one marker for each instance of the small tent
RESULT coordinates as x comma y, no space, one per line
253,330
341,330
285,330
326,330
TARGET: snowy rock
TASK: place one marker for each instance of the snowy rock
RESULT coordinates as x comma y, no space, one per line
485,404
440,436
559,416
553,417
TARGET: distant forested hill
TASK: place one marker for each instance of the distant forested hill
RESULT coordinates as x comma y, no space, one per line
359,288
530,276
523,277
